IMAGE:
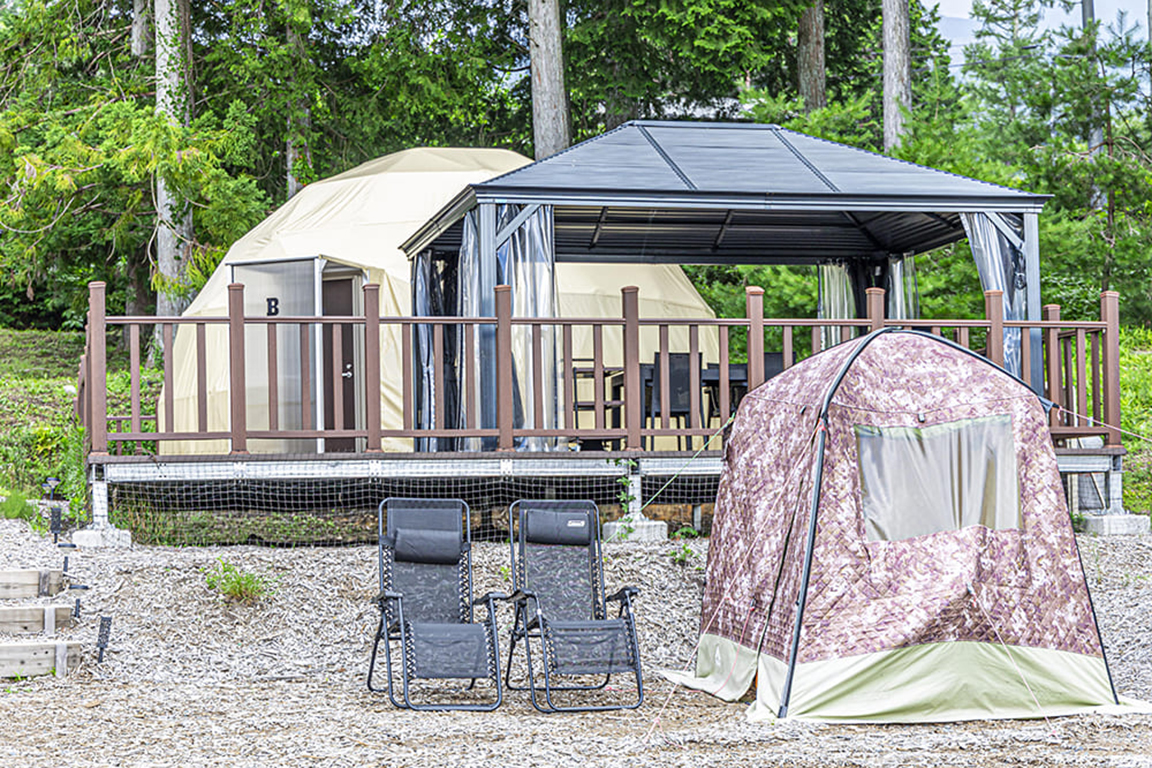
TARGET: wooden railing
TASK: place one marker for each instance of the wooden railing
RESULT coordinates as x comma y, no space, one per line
605,399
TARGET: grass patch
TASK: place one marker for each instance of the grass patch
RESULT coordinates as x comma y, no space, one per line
15,506
40,354
235,585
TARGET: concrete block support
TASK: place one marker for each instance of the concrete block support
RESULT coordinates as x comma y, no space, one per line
101,533
1113,525
634,526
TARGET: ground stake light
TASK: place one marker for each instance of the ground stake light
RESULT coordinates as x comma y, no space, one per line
102,638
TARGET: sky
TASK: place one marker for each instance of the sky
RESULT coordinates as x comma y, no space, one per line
956,25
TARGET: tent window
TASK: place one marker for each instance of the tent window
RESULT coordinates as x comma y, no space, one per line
916,481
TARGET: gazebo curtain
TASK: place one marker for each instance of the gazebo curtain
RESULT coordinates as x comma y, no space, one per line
999,255
525,261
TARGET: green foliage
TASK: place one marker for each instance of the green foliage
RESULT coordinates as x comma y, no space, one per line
15,506
236,585
788,292
683,554
1136,416
852,121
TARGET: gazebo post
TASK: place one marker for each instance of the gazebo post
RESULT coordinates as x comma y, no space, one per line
1032,275
486,294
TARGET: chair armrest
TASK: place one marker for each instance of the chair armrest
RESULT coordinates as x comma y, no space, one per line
387,595
491,596
520,596
623,592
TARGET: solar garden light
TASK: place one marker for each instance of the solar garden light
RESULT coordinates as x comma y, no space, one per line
102,637
49,486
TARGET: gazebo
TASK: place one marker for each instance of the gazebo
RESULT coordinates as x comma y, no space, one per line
721,193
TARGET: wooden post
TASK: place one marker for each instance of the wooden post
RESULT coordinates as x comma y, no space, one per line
372,365
633,408
505,415
1054,389
754,307
1110,314
875,307
238,394
98,380
994,311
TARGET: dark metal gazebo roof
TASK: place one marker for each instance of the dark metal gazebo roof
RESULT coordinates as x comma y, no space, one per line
690,192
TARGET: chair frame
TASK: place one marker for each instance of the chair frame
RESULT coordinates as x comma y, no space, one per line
535,629
396,629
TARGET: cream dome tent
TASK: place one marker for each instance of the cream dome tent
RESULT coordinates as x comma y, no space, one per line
891,543
342,232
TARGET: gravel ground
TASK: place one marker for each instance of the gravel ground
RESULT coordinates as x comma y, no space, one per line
190,680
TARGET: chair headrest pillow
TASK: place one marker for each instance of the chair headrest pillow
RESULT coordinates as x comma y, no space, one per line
427,546
557,527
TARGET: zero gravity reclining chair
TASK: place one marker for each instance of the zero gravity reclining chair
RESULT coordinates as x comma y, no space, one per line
425,601
561,607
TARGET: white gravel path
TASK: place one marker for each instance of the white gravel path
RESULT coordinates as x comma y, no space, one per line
193,681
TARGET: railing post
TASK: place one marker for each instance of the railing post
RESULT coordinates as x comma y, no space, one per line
97,379
1053,389
372,365
1110,315
238,394
754,308
875,307
994,311
505,415
633,409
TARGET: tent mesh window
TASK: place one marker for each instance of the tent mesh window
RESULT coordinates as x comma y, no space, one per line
916,481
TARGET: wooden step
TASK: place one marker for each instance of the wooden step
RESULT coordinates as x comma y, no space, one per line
24,584
28,658
23,619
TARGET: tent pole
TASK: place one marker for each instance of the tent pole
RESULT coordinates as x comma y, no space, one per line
821,439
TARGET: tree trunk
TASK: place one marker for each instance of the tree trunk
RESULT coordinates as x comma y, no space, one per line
897,70
141,28
810,69
618,107
297,150
173,99
550,127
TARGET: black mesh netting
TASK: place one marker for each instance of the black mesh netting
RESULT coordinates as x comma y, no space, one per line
335,511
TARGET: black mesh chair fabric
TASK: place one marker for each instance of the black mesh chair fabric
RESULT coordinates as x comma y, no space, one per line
561,604
561,578
590,647
450,650
425,601
437,588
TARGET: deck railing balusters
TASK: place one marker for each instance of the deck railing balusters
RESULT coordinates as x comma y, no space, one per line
1080,364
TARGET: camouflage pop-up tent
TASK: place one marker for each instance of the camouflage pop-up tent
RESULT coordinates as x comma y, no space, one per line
891,543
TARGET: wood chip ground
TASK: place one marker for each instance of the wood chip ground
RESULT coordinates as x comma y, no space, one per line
190,680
